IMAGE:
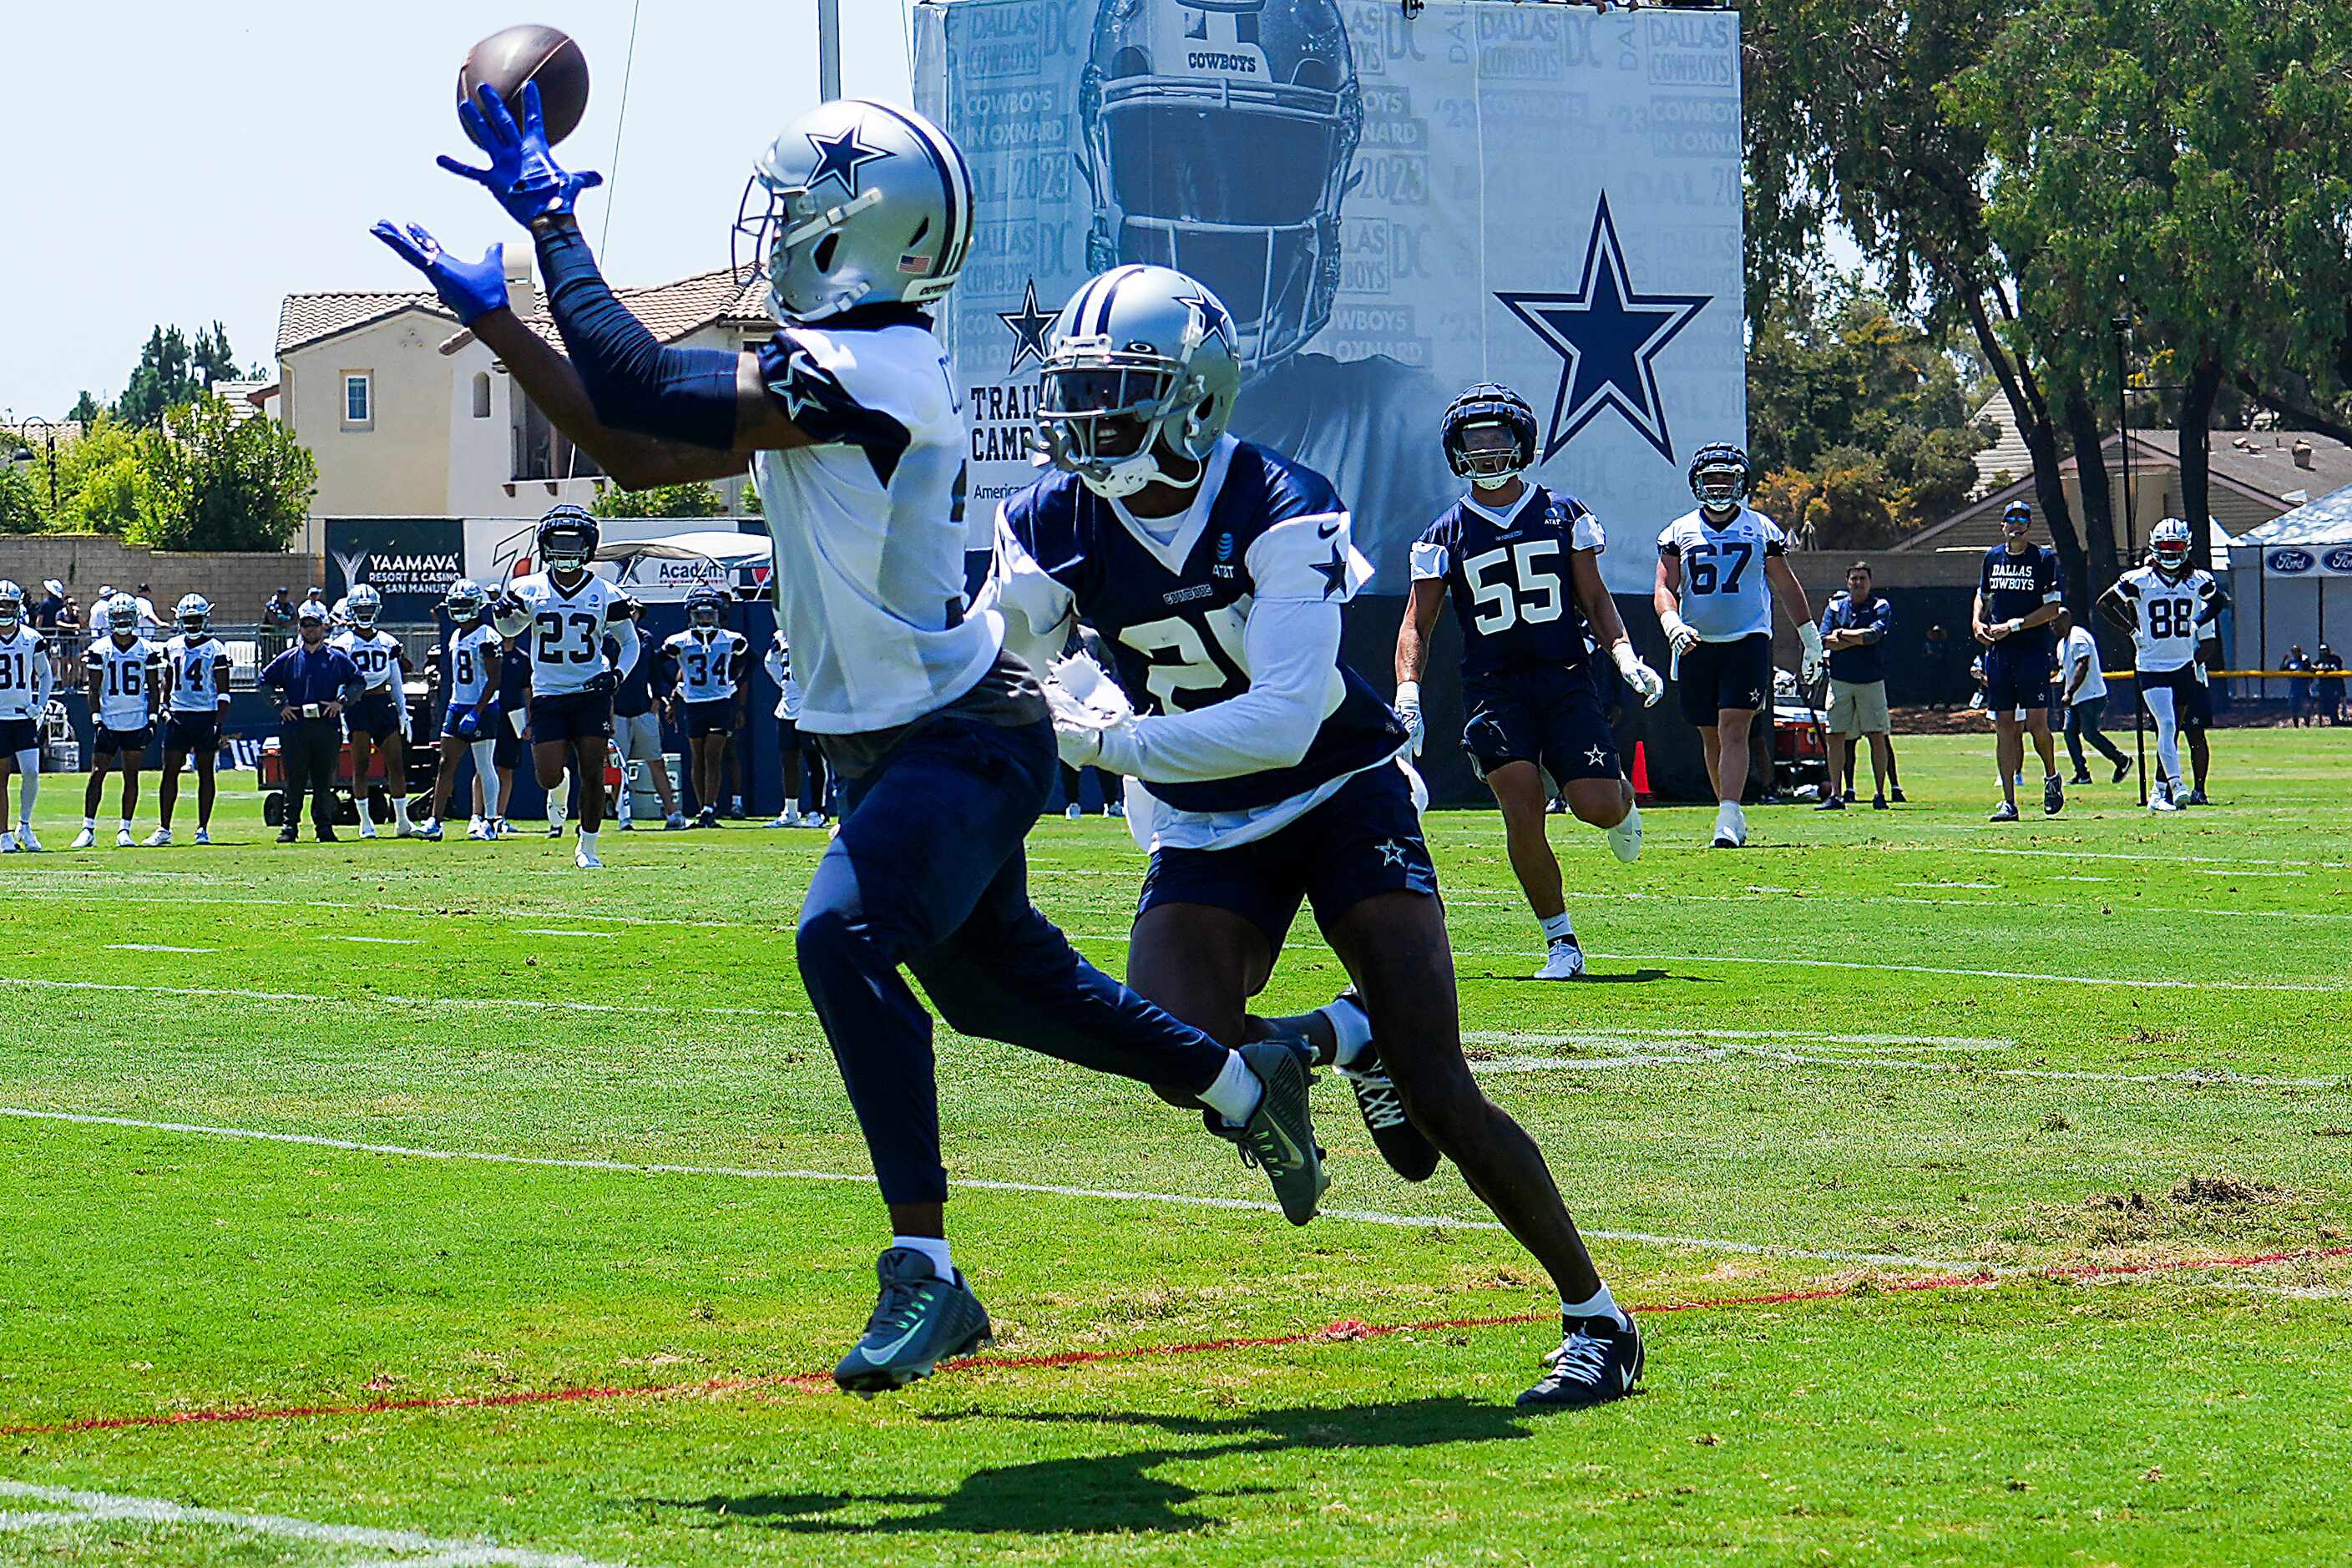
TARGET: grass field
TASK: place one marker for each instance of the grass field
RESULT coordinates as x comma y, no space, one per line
608,1221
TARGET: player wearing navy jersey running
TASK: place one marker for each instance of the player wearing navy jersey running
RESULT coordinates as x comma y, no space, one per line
860,217
1721,569
2017,603
1521,567
1264,771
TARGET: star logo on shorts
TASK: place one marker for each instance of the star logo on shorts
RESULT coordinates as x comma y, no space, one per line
1756,700
1392,853
1597,757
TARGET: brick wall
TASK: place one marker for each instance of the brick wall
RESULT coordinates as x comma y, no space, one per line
236,585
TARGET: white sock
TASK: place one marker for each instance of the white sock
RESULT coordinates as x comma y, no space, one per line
486,771
1236,1092
587,841
1602,1305
126,824
931,1246
89,823
1353,1029
1556,928
29,785
399,810
558,797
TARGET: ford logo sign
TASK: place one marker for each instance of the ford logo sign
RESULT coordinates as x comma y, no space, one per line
2290,563
2338,559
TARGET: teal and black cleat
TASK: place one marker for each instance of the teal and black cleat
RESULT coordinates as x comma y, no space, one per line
919,1321
1598,1359
1405,1147
1279,1137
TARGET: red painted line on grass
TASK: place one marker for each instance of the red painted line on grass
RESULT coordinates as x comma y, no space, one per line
1345,1329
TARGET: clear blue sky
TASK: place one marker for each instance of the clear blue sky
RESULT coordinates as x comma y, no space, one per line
200,162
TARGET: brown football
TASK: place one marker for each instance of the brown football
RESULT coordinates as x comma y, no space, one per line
508,59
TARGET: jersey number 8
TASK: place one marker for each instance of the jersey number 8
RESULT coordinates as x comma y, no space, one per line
1535,599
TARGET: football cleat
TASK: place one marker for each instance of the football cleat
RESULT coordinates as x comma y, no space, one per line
2053,796
1405,1147
1625,839
85,838
1878,803
2196,797
431,832
2005,812
160,839
585,858
707,817
674,823
2081,776
286,835
1731,826
1598,1359
1831,803
1074,811
1279,1136
919,1321
9,844
556,829
786,819
123,839
205,836
26,837
1565,960
1897,795
367,824
2161,797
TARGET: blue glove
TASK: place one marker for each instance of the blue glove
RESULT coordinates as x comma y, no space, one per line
466,723
523,175
471,289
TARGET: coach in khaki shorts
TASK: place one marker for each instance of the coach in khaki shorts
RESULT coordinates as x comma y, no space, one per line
1854,629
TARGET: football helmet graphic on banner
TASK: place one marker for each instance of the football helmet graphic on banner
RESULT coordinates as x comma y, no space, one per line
1219,140
2168,543
1140,364
855,203
1489,405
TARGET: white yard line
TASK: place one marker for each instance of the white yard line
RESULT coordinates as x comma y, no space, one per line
1180,1200
377,940
1700,1054
408,1548
500,1003
541,931
2124,981
154,947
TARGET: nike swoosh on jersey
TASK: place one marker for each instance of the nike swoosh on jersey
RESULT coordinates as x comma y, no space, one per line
1326,530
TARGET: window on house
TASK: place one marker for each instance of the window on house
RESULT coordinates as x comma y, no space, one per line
359,397
481,394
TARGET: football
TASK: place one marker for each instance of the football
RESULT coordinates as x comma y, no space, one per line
528,53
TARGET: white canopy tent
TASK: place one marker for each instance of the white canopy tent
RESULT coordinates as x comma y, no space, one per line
668,566
2286,573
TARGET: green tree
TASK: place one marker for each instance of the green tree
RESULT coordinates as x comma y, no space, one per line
86,410
218,482
172,370
21,508
101,479
700,499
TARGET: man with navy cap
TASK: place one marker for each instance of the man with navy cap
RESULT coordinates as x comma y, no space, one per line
313,682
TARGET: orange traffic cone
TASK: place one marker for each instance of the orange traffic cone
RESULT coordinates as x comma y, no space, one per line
1641,772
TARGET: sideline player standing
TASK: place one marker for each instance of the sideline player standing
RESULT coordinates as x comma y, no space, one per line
471,658
28,677
2018,599
802,804
196,666
704,666
563,615
850,419
2082,690
2169,607
1522,568
637,735
379,722
119,669
1721,568
1215,571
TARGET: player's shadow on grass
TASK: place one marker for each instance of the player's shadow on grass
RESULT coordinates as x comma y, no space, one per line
1117,1492
1622,977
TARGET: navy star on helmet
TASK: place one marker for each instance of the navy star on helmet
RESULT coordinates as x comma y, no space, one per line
194,614
12,607
567,539
464,601
122,615
1489,405
855,203
1720,476
1140,365
705,606
1219,139
363,605
2168,543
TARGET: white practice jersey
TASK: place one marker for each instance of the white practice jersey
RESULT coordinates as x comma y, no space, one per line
377,653
27,677
194,668
1725,594
779,664
122,681
474,656
2082,651
869,556
2168,620
565,637
710,662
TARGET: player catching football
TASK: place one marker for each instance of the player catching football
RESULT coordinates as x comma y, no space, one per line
860,216
1522,567
1215,571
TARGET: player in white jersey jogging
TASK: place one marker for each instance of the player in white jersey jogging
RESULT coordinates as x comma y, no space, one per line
564,616
196,672
1721,569
2170,608
379,723
703,666
860,216
121,670
467,724
28,677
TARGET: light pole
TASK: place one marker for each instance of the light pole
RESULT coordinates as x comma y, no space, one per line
828,49
2122,325
25,454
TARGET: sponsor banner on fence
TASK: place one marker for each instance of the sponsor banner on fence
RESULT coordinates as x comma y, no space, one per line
2309,559
498,548
411,560
1390,209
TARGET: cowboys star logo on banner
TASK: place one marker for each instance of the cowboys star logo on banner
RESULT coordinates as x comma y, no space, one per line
1028,326
1609,336
838,159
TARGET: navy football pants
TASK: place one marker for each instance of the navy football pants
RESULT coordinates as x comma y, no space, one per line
928,872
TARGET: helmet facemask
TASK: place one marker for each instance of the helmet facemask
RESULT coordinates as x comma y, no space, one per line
1489,454
2169,546
1110,416
1720,487
12,609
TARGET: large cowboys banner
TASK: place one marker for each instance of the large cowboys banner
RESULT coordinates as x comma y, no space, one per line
1390,210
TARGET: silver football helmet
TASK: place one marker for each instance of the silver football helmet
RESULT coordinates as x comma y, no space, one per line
12,607
363,604
1220,139
855,203
464,601
194,614
1140,364
122,615
2168,545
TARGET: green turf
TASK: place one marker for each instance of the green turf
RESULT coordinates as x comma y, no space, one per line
1808,1047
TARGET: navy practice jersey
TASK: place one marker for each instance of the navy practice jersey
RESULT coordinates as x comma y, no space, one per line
1508,579
2014,586
1174,618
